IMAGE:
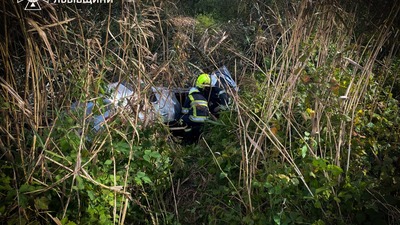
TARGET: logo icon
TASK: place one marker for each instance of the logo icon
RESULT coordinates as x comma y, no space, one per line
32,4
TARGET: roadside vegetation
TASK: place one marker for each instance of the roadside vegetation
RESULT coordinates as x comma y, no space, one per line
313,136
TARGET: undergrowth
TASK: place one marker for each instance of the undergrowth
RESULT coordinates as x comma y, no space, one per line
312,136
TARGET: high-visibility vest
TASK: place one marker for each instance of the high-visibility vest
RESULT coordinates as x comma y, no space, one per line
196,106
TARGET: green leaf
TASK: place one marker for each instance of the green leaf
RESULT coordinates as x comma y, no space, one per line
304,151
71,223
146,180
335,170
317,204
11,194
108,162
146,157
319,190
277,219
147,152
319,222
223,175
295,181
141,176
79,183
23,200
277,190
138,181
122,147
42,203
26,188
320,164
267,185
283,177
91,195
155,155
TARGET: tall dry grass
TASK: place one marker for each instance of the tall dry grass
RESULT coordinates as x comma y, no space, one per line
322,33
67,53
64,54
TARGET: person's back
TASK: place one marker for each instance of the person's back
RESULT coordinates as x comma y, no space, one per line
195,108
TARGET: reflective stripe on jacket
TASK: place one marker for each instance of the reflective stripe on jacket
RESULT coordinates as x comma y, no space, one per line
196,106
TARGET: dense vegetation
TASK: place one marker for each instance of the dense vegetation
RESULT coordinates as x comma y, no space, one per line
313,136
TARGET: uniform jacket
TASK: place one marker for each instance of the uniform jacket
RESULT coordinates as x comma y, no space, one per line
196,106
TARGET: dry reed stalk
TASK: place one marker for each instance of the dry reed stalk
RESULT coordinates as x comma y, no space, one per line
320,26
53,49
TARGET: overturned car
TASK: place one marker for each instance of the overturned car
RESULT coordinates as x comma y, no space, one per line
165,103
